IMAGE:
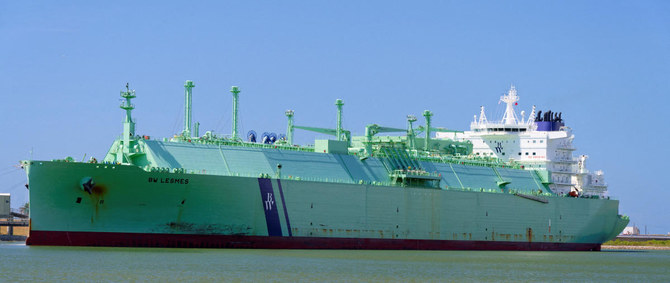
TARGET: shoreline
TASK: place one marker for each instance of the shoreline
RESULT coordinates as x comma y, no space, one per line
610,247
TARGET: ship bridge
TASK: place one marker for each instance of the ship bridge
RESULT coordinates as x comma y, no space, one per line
540,142
510,121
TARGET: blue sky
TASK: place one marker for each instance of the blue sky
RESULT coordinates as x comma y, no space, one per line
604,64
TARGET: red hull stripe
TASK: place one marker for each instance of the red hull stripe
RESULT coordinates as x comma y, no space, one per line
59,238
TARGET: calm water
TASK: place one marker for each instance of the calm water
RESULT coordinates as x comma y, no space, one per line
19,262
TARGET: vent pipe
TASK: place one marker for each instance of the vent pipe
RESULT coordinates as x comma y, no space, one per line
339,130
427,114
410,131
289,129
235,91
188,90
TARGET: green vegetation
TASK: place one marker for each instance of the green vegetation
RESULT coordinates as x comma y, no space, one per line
655,243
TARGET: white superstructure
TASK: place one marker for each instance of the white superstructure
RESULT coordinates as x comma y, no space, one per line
541,142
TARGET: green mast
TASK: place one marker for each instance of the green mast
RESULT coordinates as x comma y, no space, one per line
235,91
289,129
128,123
188,86
427,114
340,133
410,132
339,104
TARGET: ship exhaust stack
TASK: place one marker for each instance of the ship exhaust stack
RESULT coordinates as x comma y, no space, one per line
289,129
188,89
339,132
427,114
128,123
235,91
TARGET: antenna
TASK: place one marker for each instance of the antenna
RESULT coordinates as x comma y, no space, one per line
510,99
482,116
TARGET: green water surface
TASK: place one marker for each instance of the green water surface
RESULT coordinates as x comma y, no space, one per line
19,262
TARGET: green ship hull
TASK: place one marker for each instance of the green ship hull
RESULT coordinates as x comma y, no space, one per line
130,206
350,193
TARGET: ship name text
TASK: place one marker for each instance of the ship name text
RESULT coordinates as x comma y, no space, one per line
183,181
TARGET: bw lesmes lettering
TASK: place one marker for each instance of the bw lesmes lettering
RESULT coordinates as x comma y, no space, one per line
182,181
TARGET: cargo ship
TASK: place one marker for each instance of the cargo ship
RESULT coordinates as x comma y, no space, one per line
507,185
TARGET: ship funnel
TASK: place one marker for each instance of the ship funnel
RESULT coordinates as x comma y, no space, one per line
188,91
235,91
